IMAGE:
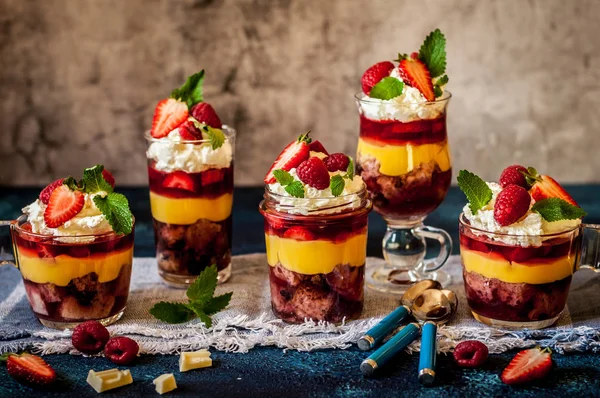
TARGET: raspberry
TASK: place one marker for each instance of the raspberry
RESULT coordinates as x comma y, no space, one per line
512,176
46,192
204,113
511,204
470,354
337,162
313,172
121,350
374,74
90,337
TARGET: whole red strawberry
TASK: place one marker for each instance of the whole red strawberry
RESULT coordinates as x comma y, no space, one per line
511,204
29,369
46,192
313,172
204,113
90,337
470,354
121,350
513,175
374,74
337,162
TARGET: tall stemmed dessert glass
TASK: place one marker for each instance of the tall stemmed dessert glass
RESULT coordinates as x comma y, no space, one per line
520,242
404,160
316,213
74,249
190,168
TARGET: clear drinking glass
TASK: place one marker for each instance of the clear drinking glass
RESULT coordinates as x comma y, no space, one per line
191,200
71,279
406,167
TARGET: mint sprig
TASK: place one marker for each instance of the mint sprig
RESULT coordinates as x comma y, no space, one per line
556,209
201,304
191,91
337,185
283,177
291,186
216,137
433,53
350,169
387,88
93,180
475,189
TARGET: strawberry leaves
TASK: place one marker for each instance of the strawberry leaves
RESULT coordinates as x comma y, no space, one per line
191,91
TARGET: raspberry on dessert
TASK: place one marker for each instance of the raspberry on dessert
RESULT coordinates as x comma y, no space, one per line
316,146
169,114
121,350
108,177
511,204
291,156
63,205
179,180
314,173
337,162
46,192
189,132
299,233
470,354
415,73
204,113
90,337
374,74
513,175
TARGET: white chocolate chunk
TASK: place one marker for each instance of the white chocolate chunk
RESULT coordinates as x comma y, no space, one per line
165,383
194,360
108,379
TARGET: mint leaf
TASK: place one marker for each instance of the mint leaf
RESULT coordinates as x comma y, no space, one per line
218,303
93,181
200,313
171,312
556,209
204,286
115,208
350,169
215,136
442,81
433,53
71,183
437,91
387,88
283,177
337,185
191,91
475,189
296,189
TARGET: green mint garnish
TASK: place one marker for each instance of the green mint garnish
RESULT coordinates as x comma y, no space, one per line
387,88
475,189
283,177
350,170
296,189
215,136
191,91
71,183
93,181
291,186
556,209
201,304
433,53
337,185
115,208
439,83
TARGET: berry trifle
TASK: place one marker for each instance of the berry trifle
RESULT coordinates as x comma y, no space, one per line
190,168
315,212
519,243
74,248
402,153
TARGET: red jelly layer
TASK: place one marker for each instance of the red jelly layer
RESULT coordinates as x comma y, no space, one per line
393,132
179,184
323,229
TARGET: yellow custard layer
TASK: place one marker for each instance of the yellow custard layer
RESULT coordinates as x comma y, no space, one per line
315,256
396,160
186,211
492,265
62,268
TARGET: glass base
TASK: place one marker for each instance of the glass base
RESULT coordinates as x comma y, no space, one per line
385,279
71,325
183,281
515,325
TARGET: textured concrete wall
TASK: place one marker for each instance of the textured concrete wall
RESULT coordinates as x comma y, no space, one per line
79,78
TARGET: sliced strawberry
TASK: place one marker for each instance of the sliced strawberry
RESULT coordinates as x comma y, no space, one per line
415,73
108,177
30,369
204,113
212,176
299,233
179,180
375,74
189,132
545,187
46,192
169,114
528,365
291,156
316,146
63,205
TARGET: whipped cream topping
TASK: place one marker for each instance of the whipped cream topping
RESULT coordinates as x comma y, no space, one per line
170,154
409,106
525,232
89,221
317,201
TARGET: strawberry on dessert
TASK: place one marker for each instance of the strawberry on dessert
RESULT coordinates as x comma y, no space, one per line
316,146
204,113
168,115
292,155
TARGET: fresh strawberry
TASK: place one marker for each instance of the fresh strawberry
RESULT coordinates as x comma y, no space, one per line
46,192
204,113
316,146
291,156
30,369
189,132
511,204
179,180
169,114
374,74
545,187
313,172
415,73
337,162
63,205
513,175
299,233
121,350
528,365
108,177
212,176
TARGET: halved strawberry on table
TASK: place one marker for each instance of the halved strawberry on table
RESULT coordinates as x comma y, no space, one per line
168,115
375,74
291,157
63,205
29,369
528,365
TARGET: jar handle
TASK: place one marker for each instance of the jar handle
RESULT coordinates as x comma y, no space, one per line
590,247
6,252
445,245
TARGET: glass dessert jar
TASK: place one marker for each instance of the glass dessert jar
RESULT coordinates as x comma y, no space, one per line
71,279
522,281
191,196
316,255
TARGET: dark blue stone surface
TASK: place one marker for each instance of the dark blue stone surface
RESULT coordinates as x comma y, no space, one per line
270,372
